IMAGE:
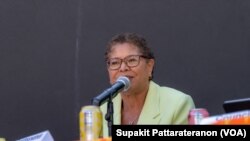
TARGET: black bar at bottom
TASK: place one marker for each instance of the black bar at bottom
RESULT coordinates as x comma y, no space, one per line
164,132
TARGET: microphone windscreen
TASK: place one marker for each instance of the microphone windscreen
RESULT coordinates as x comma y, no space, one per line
125,81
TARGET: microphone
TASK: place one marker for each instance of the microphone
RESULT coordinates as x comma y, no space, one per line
121,84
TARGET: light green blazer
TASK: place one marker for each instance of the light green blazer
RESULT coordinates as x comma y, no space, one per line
163,105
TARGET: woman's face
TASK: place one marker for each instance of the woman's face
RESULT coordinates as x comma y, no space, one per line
138,75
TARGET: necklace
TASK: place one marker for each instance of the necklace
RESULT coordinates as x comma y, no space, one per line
133,121
129,122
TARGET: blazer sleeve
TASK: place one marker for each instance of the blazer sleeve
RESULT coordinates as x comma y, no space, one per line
174,105
183,106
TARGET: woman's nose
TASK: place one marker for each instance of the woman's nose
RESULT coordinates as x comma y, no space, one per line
124,66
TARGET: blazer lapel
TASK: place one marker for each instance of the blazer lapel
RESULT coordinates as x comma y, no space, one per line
150,113
117,109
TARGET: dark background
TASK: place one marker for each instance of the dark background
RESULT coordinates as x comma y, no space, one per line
52,55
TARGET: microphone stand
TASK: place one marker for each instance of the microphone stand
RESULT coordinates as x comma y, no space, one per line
109,115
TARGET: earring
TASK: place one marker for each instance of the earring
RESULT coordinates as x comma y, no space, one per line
150,77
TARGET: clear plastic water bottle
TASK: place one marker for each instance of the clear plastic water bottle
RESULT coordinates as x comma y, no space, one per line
196,115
